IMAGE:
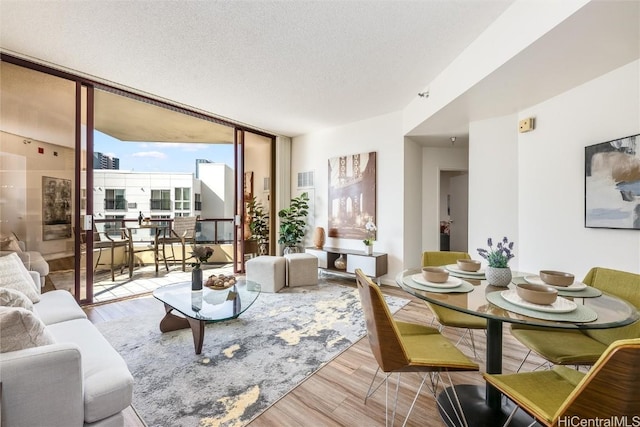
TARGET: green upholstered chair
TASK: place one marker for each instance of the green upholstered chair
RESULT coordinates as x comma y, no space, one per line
609,389
446,316
575,347
405,347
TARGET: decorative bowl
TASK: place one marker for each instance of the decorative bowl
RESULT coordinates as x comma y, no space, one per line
435,274
537,294
556,278
468,265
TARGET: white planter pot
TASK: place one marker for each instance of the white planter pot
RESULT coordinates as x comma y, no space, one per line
498,276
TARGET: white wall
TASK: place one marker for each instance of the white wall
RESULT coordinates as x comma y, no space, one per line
434,160
551,176
493,184
412,204
382,134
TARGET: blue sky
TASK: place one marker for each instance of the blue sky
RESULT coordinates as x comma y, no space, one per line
161,156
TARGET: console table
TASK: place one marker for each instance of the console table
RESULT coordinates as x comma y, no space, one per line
374,265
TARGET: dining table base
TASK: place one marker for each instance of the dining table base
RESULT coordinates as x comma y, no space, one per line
476,411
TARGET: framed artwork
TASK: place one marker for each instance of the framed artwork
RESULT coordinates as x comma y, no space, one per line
612,184
56,208
352,195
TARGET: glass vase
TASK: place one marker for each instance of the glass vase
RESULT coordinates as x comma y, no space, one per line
196,279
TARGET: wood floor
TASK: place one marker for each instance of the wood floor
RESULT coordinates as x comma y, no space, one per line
333,396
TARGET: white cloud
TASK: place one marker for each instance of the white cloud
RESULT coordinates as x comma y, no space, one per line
151,154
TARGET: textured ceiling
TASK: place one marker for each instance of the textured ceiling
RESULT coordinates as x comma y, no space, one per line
282,66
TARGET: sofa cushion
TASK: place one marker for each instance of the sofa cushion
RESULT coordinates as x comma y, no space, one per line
58,306
14,275
12,298
108,384
20,329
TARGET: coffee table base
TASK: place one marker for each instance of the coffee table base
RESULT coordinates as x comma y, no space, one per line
476,411
171,322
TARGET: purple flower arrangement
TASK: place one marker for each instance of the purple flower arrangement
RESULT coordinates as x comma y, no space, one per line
499,256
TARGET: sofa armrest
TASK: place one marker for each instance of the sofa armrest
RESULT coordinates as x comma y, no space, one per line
35,276
42,386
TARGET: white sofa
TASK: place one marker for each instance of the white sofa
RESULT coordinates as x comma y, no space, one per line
32,260
78,380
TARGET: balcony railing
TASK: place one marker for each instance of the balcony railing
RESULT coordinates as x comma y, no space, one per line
208,230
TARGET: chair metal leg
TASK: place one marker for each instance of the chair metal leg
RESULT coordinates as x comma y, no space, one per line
184,268
461,419
523,360
113,276
369,391
424,378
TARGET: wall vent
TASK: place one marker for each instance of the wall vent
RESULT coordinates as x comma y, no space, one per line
267,184
305,179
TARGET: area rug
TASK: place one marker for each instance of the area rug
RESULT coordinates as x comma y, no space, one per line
246,364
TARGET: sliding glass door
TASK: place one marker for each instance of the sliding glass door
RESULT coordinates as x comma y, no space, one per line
81,161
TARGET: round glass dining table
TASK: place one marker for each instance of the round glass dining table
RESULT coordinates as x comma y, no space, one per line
484,407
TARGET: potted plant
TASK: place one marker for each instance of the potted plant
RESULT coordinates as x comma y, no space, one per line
371,228
258,224
498,272
293,222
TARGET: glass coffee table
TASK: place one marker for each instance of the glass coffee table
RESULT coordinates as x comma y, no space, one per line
204,306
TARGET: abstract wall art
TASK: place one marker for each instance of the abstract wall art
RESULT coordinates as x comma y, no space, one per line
612,184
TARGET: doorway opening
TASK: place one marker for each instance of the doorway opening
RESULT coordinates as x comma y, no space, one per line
454,208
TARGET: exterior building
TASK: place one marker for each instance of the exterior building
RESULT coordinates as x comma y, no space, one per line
101,161
124,195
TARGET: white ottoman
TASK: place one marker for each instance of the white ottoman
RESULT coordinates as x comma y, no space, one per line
302,270
269,271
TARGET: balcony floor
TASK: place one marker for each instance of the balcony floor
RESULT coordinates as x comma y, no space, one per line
144,280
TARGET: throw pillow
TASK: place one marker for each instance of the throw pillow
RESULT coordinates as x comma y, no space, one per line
14,275
9,243
12,298
21,329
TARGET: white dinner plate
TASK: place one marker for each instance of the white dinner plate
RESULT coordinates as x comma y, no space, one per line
454,269
452,282
536,280
561,305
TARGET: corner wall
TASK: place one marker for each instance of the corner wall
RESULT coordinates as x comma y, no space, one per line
434,160
382,134
493,184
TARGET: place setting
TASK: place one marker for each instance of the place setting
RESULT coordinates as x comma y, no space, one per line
539,297
564,283
466,269
438,280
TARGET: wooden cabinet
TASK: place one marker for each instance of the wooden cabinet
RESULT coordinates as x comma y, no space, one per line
374,265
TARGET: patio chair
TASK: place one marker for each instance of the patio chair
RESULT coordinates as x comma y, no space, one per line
103,241
406,347
609,389
575,347
183,231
